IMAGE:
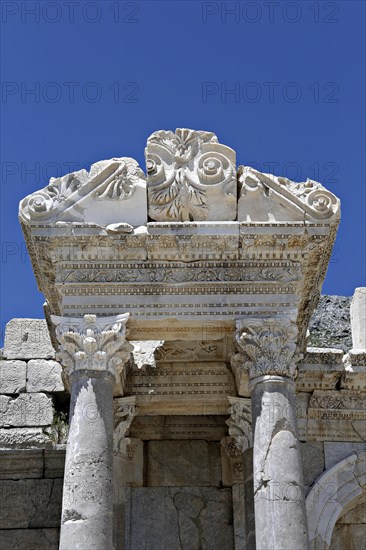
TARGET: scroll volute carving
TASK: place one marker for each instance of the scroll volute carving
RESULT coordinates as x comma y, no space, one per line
190,176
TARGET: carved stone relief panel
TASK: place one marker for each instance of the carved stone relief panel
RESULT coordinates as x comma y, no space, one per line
190,177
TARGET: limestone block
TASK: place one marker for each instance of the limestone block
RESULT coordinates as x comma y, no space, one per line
27,339
34,503
113,193
190,176
29,539
358,318
336,451
189,518
12,376
44,376
24,438
33,409
183,463
312,455
54,462
21,464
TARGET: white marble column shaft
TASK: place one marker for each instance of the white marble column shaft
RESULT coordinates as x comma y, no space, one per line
92,351
269,348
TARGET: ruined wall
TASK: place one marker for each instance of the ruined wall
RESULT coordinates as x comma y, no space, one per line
194,482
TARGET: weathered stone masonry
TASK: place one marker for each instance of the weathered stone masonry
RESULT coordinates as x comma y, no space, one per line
212,427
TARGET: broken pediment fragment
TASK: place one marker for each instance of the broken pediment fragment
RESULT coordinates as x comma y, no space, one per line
268,198
190,177
113,191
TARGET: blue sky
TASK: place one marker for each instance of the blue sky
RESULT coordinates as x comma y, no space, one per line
280,82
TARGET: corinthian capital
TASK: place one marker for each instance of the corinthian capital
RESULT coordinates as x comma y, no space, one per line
268,346
92,343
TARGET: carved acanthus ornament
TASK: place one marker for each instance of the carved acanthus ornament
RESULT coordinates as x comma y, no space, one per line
92,343
190,177
125,411
240,424
70,198
268,346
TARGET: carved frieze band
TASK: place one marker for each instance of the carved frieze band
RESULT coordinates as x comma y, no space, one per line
268,347
92,343
240,423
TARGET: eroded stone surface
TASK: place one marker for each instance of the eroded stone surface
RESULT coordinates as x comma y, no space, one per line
29,539
44,376
182,518
27,339
33,409
112,193
183,463
12,376
19,464
348,537
312,455
358,318
24,438
30,503
335,451
330,323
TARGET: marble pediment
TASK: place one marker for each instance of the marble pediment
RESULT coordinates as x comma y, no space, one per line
112,192
269,198
191,177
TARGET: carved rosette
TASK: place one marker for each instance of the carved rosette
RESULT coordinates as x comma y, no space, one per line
92,343
240,424
190,176
268,346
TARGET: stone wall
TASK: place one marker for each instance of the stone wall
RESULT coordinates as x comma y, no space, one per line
33,427
199,485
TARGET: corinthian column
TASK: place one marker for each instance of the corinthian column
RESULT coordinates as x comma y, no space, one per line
269,348
92,352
